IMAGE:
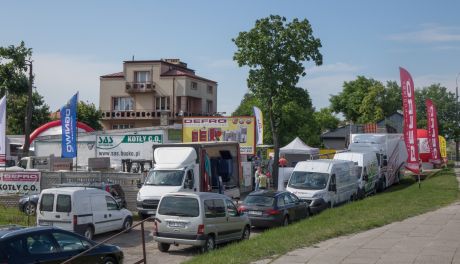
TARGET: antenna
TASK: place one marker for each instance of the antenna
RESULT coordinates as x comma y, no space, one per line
133,58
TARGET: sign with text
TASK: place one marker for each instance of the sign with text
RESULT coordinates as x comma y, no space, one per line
433,140
20,182
209,129
131,146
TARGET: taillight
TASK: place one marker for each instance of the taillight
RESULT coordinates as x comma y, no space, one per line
75,220
242,209
200,230
107,188
272,212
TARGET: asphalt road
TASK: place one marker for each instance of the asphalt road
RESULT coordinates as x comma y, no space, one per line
131,244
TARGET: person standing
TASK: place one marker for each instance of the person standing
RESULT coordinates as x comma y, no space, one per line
283,162
257,175
263,182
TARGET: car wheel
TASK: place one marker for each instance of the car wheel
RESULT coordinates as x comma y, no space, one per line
246,233
286,221
127,224
30,208
209,245
89,233
109,260
163,247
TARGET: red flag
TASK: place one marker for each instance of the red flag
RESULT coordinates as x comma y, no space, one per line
433,139
410,121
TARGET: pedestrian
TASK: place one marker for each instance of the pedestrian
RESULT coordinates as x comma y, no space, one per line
283,162
263,182
257,175
269,178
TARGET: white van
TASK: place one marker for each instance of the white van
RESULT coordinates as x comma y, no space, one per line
324,183
86,211
368,170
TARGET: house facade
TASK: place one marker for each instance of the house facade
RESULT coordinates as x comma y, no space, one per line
154,92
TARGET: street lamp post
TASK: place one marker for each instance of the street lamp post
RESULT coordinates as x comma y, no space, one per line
28,121
457,139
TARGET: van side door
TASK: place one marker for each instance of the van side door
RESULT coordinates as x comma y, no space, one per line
100,213
235,226
215,218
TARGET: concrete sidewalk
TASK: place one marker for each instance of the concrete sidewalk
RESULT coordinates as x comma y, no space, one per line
433,237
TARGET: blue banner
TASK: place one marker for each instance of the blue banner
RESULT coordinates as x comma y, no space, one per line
69,128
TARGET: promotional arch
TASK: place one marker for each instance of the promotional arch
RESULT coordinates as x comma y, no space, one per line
53,128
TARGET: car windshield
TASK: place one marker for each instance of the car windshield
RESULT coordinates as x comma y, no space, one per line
165,178
259,200
179,206
308,180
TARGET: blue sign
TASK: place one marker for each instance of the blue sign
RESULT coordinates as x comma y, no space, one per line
69,128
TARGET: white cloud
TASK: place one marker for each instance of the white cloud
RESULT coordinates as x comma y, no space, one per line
429,33
59,76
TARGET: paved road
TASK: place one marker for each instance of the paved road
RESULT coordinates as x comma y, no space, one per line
433,237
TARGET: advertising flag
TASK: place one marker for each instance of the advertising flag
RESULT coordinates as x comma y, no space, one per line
69,128
3,131
433,139
259,125
410,121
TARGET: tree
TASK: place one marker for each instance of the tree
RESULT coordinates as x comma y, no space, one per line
275,50
16,103
89,114
12,69
326,120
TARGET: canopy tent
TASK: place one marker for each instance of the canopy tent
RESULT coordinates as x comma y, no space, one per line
297,150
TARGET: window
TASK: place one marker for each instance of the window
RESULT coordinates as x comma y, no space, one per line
111,203
68,242
280,201
39,244
47,202
209,108
209,89
179,206
123,103
122,126
162,103
288,199
194,86
231,208
214,208
63,203
142,76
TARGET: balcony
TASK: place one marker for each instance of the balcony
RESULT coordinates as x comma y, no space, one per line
140,87
131,115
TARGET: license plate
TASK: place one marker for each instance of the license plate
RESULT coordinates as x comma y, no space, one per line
46,223
176,224
255,212
151,212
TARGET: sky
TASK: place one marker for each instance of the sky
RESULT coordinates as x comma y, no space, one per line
75,42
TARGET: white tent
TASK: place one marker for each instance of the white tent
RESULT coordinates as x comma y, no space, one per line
297,146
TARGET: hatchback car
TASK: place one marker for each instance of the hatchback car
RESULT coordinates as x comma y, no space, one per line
273,208
52,245
200,219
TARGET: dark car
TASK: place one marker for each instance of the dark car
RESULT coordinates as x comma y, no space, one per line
273,208
28,203
52,245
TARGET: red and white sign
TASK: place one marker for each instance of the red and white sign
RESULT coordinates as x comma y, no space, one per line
410,121
20,182
433,139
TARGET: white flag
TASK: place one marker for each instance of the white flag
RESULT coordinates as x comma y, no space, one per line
3,131
260,125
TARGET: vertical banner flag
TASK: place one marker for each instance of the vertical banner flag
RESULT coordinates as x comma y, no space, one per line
260,125
410,121
3,151
433,140
69,128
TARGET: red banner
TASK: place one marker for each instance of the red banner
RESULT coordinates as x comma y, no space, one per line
410,121
433,139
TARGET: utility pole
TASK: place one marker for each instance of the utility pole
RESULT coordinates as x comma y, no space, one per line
457,138
25,148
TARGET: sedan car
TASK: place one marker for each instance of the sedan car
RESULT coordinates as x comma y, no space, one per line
52,245
273,208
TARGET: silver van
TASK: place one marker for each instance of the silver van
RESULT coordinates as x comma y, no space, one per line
200,219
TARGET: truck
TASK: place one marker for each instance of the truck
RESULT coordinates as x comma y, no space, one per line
46,163
324,183
367,169
390,151
190,167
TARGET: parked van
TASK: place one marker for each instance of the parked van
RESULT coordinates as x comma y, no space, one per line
86,211
324,183
200,219
368,170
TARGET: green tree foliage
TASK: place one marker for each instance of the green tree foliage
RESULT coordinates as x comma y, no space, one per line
326,119
275,51
445,106
12,69
16,103
89,114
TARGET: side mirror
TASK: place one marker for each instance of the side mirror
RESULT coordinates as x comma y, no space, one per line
139,185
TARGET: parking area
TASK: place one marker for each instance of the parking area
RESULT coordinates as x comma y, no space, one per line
131,244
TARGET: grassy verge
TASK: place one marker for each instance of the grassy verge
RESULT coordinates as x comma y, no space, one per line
12,216
399,202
